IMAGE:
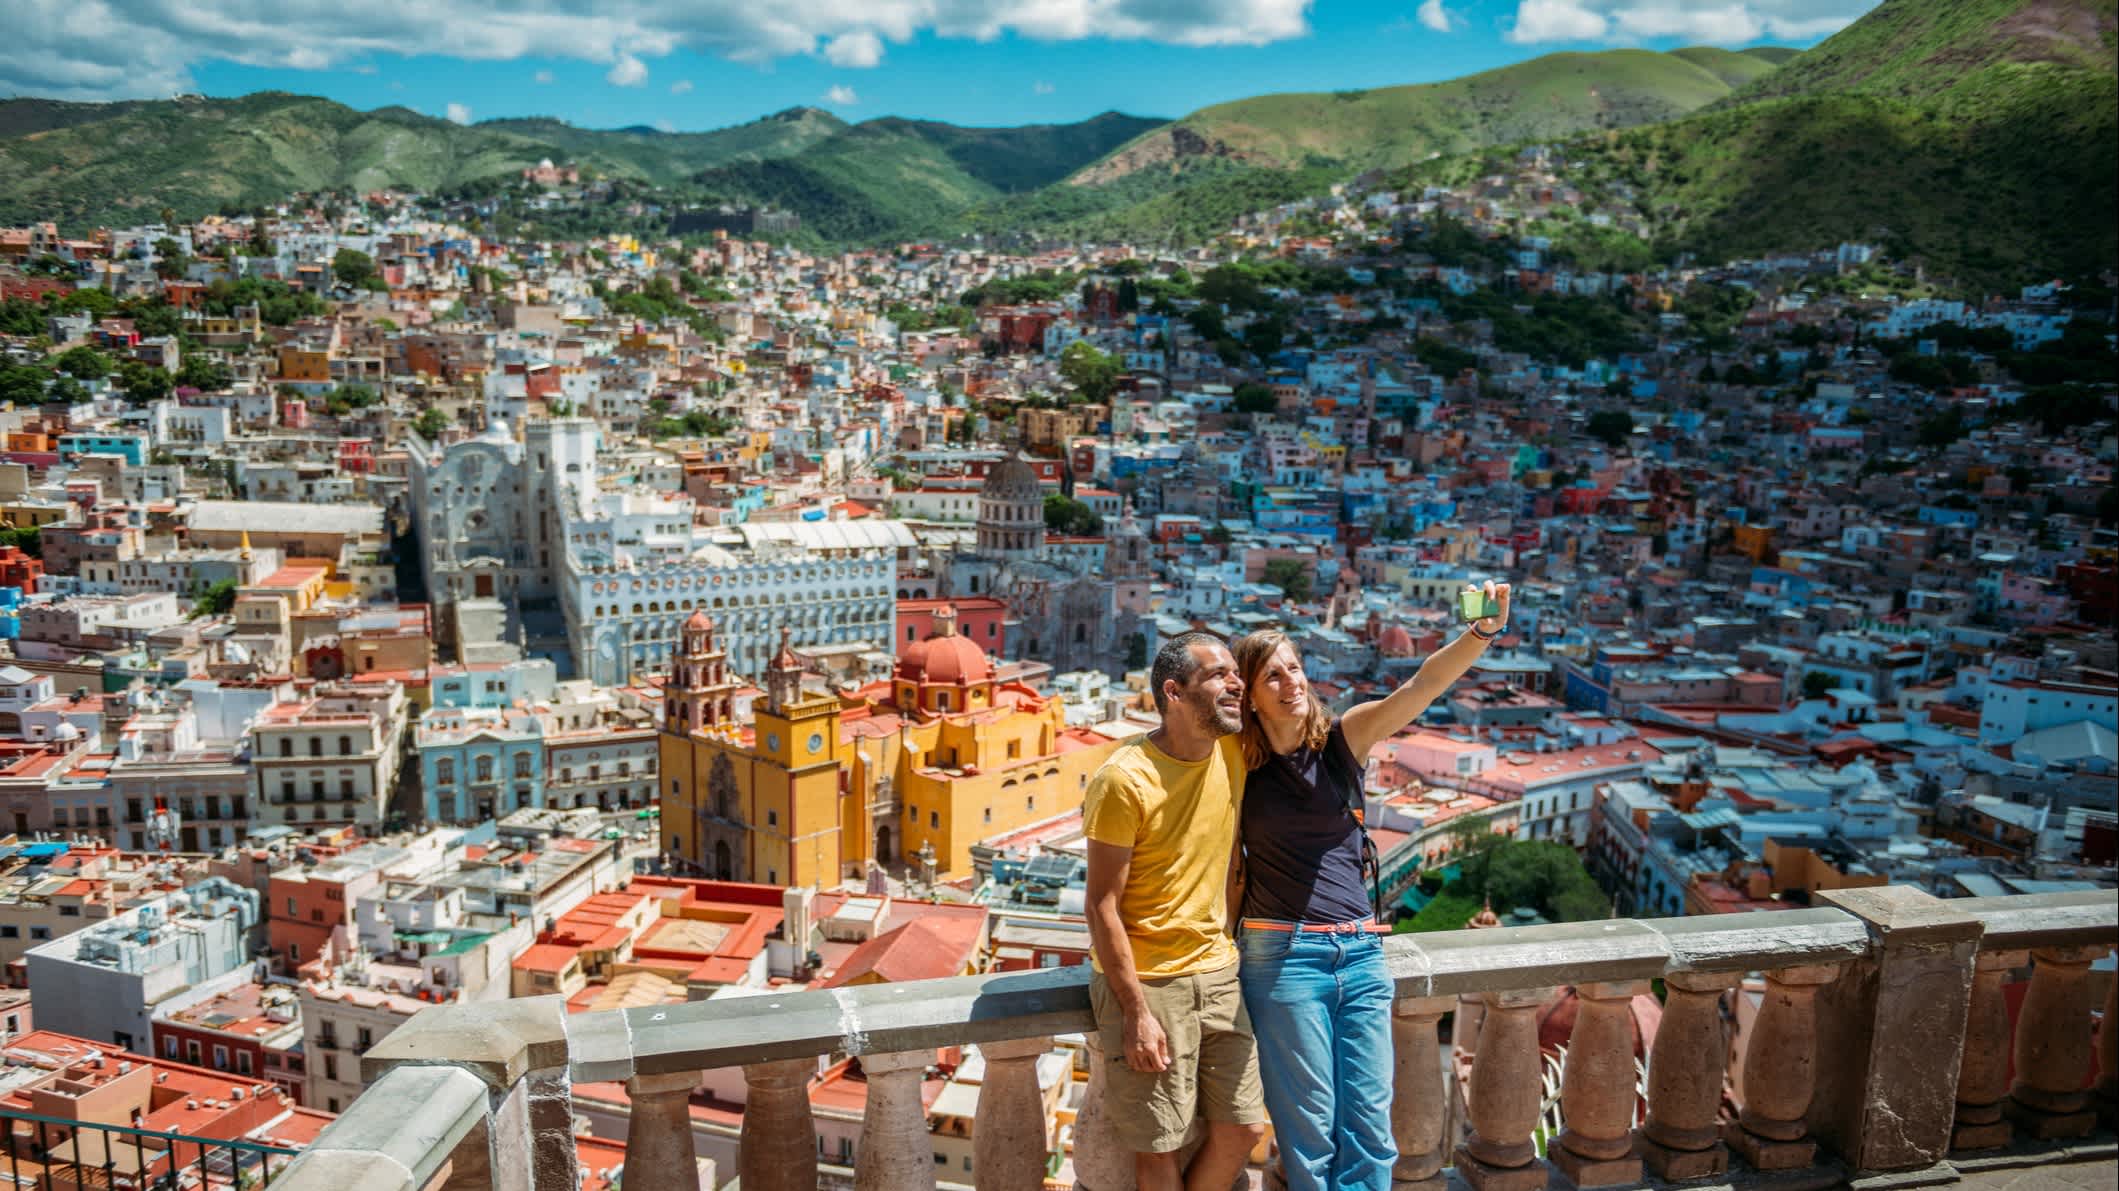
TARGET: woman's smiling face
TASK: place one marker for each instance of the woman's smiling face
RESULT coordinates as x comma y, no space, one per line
1282,692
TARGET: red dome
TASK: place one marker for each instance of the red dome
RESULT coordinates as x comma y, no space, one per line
699,621
1395,642
950,660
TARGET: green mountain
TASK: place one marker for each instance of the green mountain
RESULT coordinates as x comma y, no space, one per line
1980,137
890,177
87,164
197,155
664,158
1554,96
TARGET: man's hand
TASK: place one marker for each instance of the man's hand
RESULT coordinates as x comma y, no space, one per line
1147,1047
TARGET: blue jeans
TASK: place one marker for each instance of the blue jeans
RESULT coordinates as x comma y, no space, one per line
1320,1005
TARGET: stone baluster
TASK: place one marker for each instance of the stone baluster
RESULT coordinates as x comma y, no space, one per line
779,1138
1418,1107
2053,1046
1682,1138
1101,1162
660,1154
1983,1073
2108,1057
1010,1141
1499,1155
894,1153
1780,1071
1597,1089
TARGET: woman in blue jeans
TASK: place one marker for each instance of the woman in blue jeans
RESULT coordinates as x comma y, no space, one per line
1313,976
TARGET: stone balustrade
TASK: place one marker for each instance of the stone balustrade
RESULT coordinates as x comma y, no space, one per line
1880,1044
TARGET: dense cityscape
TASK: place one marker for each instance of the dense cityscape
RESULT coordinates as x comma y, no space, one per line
400,612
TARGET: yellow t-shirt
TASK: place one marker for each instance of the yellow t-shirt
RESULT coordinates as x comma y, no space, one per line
1179,818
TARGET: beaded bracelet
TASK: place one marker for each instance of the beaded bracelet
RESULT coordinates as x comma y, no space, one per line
1474,630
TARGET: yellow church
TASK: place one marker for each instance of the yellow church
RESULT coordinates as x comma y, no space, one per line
942,755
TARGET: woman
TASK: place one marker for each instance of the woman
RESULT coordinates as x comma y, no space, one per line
1314,982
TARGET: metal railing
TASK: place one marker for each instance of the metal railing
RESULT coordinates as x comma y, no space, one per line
57,1154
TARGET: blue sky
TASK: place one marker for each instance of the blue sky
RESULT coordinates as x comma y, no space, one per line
697,64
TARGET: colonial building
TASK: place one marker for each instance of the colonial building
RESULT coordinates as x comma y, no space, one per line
943,753
1062,611
491,511
638,567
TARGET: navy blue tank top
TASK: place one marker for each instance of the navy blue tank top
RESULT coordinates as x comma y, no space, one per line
1301,846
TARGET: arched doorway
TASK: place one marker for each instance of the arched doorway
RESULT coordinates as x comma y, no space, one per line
724,868
884,854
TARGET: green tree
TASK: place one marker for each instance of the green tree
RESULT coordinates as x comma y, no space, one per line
1068,516
214,600
1255,398
1614,426
1094,374
83,363
1816,683
1136,644
205,373
355,269
23,384
27,538
1940,430
143,383
170,261
430,424
1290,576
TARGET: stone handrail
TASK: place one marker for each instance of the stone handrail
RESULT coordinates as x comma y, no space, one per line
1880,1034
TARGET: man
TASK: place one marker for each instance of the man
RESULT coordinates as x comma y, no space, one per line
1160,817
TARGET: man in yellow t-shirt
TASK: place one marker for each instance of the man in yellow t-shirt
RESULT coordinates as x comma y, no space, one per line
1160,817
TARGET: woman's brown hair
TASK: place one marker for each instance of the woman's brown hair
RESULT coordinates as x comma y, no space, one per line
1254,653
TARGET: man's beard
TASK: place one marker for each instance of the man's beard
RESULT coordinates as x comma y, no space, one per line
1216,721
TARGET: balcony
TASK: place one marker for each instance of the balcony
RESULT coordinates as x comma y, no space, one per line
1880,1055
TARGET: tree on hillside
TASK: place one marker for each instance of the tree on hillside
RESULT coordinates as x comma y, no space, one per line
354,268
1816,683
170,261
1542,875
1094,374
1070,517
214,600
1255,398
205,373
1614,426
142,383
83,363
1290,576
430,424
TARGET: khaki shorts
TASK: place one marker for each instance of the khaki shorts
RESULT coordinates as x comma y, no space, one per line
1213,1069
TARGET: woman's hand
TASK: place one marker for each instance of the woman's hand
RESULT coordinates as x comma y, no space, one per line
1492,625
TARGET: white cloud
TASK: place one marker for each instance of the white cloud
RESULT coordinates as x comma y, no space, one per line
841,96
1434,16
680,87
542,77
106,49
459,113
859,49
1556,20
1718,21
628,71
1041,87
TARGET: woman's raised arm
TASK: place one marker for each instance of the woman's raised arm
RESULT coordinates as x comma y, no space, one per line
1378,720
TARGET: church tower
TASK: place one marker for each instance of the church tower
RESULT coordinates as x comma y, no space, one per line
699,693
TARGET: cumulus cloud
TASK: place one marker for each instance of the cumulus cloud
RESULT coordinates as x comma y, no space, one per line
1725,21
1434,16
628,71
859,49
459,113
542,77
106,49
680,86
841,96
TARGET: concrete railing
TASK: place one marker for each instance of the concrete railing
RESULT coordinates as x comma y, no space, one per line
1881,1044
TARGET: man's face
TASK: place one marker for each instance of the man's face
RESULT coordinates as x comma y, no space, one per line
1214,697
